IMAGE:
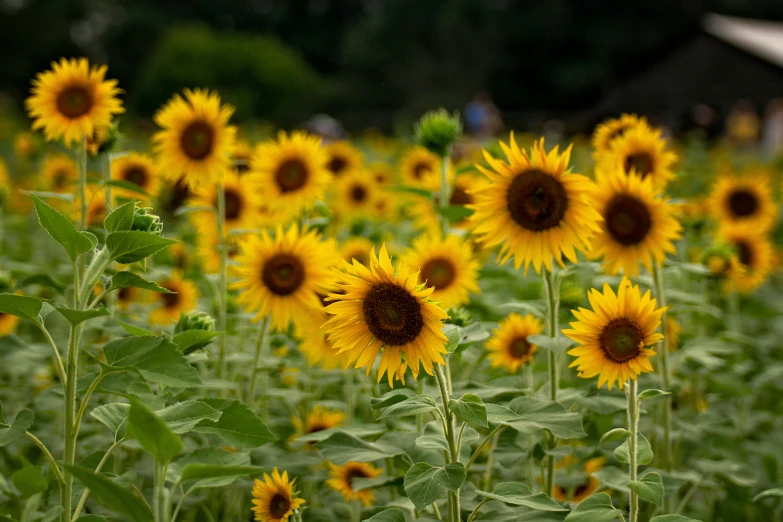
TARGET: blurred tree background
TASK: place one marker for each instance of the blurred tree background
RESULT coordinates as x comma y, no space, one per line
367,62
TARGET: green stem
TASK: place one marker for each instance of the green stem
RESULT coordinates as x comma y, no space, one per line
660,294
106,180
633,444
450,436
161,505
98,468
261,349
53,463
82,160
223,293
86,400
57,359
185,495
480,447
475,512
490,463
553,306
445,190
71,434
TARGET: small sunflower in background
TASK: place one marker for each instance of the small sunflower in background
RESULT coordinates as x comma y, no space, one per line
384,207
534,207
638,226
509,347
609,130
26,145
420,168
743,201
97,210
642,150
72,99
290,172
384,311
274,498
613,337
356,247
673,331
446,264
207,249
138,169
586,488
355,195
342,477
195,140
240,156
318,419
342,158
316,346
241,205
8,324
59,173
281,275
5,183
424,214
756,256
380,173
169,306
126,297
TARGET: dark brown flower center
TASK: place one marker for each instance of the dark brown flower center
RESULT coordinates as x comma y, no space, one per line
460,197
438,272
316,427
279,505
170,300
361,256
615,134
137,175
621,340
291,175
392,314
60,179
421,169
580,489
744,252
179,194
358,193
536,200
283,274
198,140
641,162
354,473
627,219
337,165
743,203
233,205
518,347
74,102
124,295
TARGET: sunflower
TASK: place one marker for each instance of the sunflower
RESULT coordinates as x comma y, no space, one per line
534,206
642,150
420,168
384,207
60,173
342,158
613,337
342,478
96,208
609,130
355,195
357,248
241,205
755,254
25,145
316,346
584,489
508,347
318,419
240,155
5,183
274,498
673,331
8,324
291,172
195,141
448,265
171,306
383,309
127,297
280,276
380,172
638,226
72,99
99,140
743,201
423,211
138,169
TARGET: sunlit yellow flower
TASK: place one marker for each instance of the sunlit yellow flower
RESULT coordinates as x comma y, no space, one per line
25,145
97,140
534,207
355,195
640,149
755,254
274,499
586,488
316,346
168,307
138,169
342,478
358,248
420,168
96,207
60,173
8,324
509,347
744,201
381,173
343,158
613,337
673,331
318,419
240,155
72,99
241,202
609,130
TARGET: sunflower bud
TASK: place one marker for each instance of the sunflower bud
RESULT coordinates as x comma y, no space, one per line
195,320
145,221
438,130
458,316
717,258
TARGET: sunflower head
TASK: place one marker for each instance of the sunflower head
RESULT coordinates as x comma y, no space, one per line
755,255
241,205
609,130
342,158
318,419
641,150
355,195
534,207
613,337
274,498
744,201
721,259
509,346
182,297
145,221
342,477
420,168
586,487
240,156
59,173
26,145
136,170
358,248
438,130
103,139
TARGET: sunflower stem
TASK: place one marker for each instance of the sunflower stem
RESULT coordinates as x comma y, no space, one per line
633,440
83,181
445,190
660,294
552,292
261,350
223,293
450,436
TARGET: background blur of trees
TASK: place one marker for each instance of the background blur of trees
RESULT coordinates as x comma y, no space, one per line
368,62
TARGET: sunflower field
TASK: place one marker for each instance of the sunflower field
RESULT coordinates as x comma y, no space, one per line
201,322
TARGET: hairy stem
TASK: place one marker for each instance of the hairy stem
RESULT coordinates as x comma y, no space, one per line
663,361
633,444
552,293
450,436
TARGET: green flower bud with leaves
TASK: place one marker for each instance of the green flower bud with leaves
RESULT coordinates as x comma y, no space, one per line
438,130
145,221
459,316
195,320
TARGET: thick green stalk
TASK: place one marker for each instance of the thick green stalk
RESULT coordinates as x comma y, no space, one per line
450,437
82,160
633,444
665,371
223,289
553,305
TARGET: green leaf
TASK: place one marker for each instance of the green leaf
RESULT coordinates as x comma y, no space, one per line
29,480
114,416
342,447
537,414
238,426
156,358
652,394
114,496
131,246
23,421
613,477
191,340
79,316
471,409
518,494
595,508
121,218
62,229
91,518
455,213
650,488
153,433
418,404
424,483
392,397
612,435
603,404
774,492
497,413
362,484
387,515
216,475
21,306
2,413
644,452
433,437
451,331
126,185
473,333
184,416
553,344
131,280
412,190
43,280
136,331
673,518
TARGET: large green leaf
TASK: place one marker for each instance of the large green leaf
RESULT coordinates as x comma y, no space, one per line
673,518
21,306
644,452
518,494
387,515
424,483
157,358
29,480
184,416
650,488
774,492
114,416
131,246
23,421
538,414
595,508
215,475
342,447
79,316
62,229
191,340
153,433
113,495
470,408
131,280
121,218
237,425
392,397
614,478
416,405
